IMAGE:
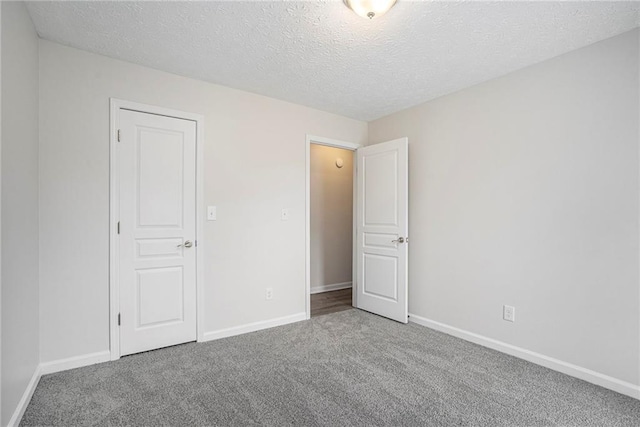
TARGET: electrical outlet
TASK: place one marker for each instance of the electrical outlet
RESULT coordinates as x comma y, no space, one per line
269,293
509,313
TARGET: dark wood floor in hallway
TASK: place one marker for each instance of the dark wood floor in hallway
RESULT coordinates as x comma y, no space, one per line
330,302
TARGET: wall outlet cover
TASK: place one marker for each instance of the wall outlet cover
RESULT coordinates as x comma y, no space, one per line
509,313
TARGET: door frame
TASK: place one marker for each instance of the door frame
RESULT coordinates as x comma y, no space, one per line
115,106
336,143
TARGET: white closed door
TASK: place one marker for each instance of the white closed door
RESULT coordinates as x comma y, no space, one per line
157,230
382,224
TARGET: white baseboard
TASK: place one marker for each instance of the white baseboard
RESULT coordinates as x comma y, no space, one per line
74,362
105,356
252,327
25,399
585,374
328,288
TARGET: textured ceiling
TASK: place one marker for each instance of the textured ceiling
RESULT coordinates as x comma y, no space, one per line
320,54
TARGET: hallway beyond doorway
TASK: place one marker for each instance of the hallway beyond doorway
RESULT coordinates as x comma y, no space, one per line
330,302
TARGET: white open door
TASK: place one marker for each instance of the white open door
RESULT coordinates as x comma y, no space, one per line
157,230
382,225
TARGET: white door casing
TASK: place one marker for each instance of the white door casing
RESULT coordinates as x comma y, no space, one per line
157,230
382,229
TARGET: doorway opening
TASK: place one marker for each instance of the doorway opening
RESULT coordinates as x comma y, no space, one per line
331,185
379,243
330,225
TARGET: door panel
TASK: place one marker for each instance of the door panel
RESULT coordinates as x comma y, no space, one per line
160,296
380,276
158,248
159,177
382,228
380,189
157,182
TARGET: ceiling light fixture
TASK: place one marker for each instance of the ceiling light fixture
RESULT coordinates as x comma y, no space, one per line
370,8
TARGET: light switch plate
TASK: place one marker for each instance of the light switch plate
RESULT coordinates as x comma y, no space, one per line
285,215
211,213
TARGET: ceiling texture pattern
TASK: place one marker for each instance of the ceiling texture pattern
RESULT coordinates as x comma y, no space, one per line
320,54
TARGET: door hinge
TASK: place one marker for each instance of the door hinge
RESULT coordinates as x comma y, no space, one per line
118,319
118,227
118,135
196,243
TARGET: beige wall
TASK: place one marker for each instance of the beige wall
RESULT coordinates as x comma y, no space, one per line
331,216
254,161
524,191
19,226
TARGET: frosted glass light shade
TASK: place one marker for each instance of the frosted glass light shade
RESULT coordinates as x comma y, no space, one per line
370,8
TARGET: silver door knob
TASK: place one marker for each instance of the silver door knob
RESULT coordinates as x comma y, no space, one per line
400,240
186,244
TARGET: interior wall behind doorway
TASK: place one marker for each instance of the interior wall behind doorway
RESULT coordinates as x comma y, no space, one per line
331,218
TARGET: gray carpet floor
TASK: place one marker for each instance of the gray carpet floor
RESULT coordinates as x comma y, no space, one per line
349,368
